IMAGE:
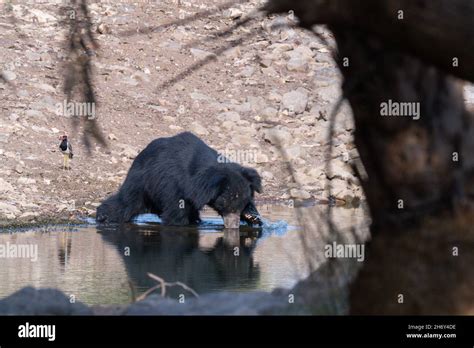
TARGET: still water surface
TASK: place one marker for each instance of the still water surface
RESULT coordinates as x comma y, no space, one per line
101,265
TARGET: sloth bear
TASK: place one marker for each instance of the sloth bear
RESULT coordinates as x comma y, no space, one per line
176,177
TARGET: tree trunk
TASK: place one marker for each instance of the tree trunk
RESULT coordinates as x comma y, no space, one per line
419,181
420,170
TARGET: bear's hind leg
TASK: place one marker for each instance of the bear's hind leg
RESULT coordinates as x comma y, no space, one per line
175,217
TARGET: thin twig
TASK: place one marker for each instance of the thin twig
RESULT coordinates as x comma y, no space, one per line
162,285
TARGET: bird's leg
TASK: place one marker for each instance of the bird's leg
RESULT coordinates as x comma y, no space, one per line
66,161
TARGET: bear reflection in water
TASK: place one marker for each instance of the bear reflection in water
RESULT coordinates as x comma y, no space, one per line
204,261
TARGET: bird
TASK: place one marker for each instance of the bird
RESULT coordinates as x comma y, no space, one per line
66,148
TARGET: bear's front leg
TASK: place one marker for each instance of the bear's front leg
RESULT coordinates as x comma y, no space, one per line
184,213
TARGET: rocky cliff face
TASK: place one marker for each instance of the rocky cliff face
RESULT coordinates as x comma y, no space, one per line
278,87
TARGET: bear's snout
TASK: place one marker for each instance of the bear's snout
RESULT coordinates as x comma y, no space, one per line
232,220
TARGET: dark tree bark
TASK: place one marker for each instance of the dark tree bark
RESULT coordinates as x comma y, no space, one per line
415,190
418,194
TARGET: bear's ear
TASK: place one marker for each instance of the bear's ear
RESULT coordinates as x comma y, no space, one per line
207,186
252,175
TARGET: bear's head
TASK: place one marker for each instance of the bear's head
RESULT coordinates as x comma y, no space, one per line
228,188
109,211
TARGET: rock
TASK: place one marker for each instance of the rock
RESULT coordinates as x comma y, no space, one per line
288,34
23,93
34,113
103,28
13,117
267,175
261,158
5,186
243,108
175,128
339,188
242,139
137,77
329,94
232,53
8,75
41,16
339,170
112,136
26,181
18,169
229,116
40,129
228,125
29,205
199,129
270,72
297,64
32,56
348,123
29,215
266,63
170,44
61,207
293,152
321,135
234,13
201,54
30,301
277,24
301,52
158,108
199,96
55,130
169,119
295,101
247,72
299,58
10,154
45,87
6,208
274,96
257,104
277,136
270,113
303,179
127,151
279,48
299,194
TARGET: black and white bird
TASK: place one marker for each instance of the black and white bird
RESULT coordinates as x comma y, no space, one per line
66,149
